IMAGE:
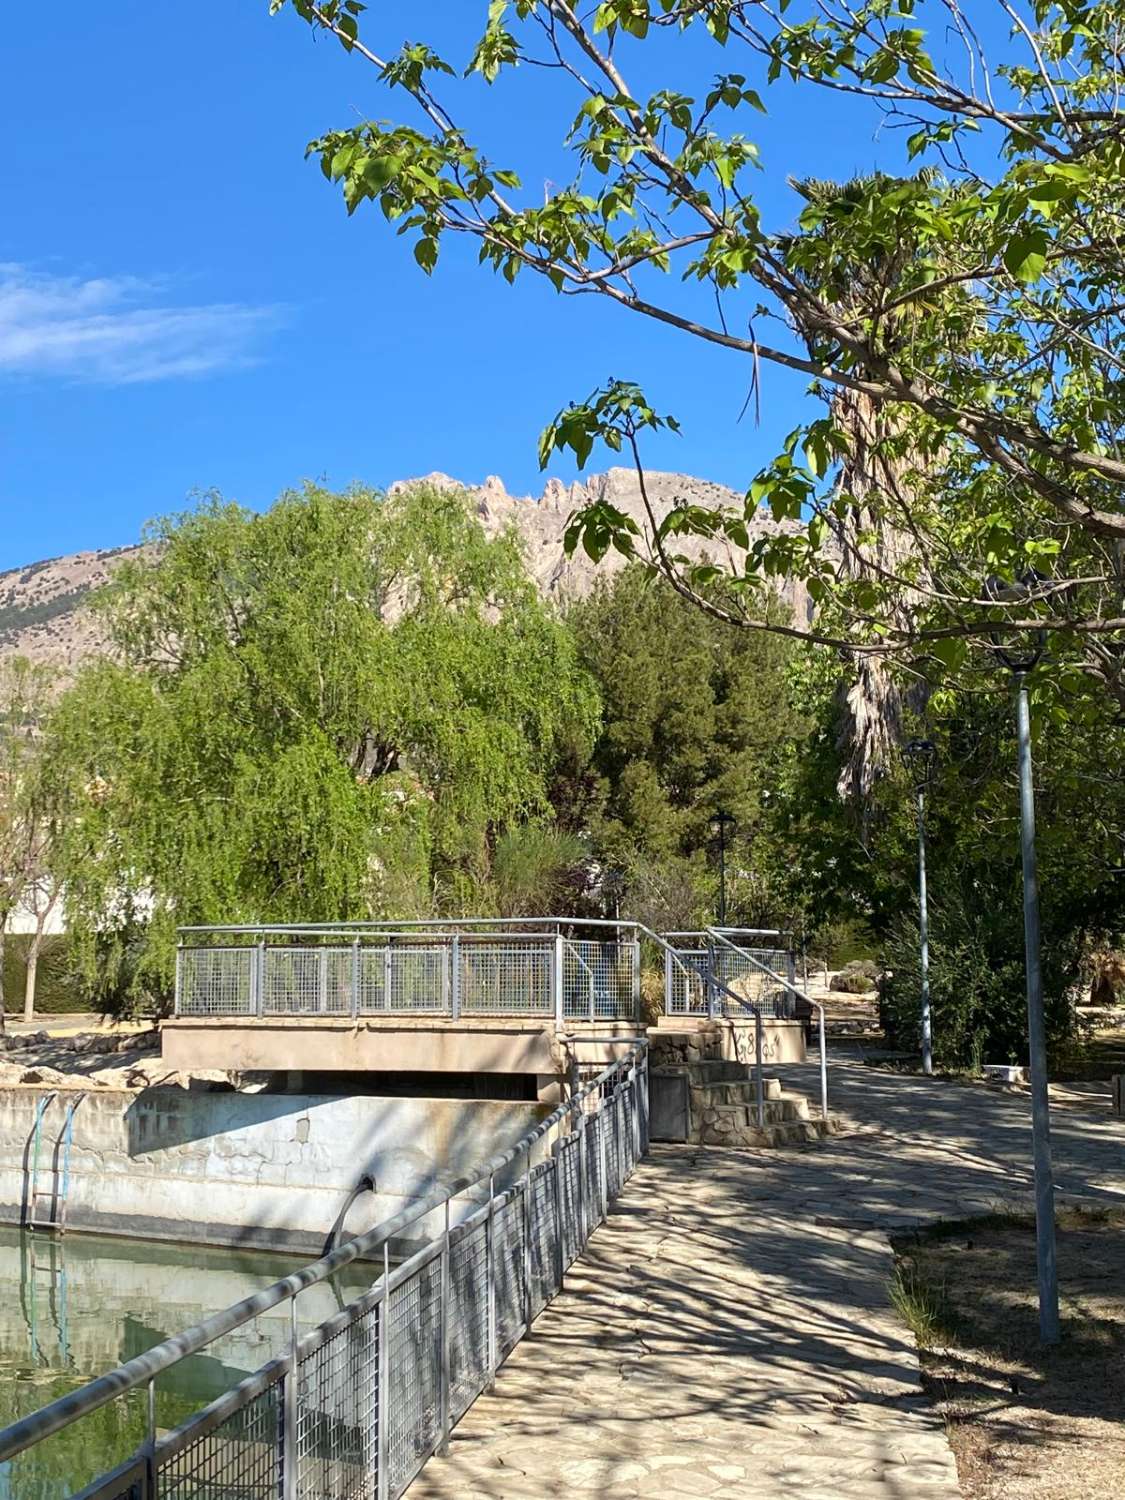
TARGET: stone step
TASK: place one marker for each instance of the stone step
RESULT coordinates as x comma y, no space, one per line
731,1127
784,1106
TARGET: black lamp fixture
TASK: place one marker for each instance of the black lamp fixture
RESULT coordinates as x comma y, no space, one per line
722,825
1017,593
921,758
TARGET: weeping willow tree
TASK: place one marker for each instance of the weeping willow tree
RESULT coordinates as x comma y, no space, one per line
329,711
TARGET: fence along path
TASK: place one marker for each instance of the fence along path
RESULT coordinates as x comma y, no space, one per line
355,1407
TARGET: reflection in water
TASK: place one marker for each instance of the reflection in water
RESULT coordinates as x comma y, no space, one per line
73,1308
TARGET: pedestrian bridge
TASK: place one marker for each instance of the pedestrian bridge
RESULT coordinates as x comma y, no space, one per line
522,1000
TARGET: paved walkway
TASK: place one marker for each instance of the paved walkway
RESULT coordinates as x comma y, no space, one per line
728,1334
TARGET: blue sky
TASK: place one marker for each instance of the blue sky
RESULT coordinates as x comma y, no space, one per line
185,305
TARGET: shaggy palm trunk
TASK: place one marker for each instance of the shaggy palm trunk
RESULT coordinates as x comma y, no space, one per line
870,700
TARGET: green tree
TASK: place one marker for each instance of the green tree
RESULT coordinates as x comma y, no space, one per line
696,716
27,822
325,712
1005,396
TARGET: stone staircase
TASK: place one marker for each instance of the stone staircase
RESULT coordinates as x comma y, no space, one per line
723,1109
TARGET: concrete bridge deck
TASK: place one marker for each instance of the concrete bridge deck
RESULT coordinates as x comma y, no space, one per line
728,1334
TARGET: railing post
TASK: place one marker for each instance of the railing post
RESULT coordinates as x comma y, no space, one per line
823,1066
355,978
759,1088
258,977
382,1427
387,973
490,1241
179,976
644,1102
455,977
150,1486
289,1458
322,980
583,1183
668,1007
635,945
443,1378
603,1174
527,1244
712,994
635,1099
559,981
556,1191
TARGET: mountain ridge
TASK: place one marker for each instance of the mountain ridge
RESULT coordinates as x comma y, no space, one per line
44,614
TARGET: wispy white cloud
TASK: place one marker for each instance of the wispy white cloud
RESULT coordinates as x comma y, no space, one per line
118,330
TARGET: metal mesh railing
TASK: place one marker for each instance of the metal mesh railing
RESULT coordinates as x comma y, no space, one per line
360,1402
328,972
721,979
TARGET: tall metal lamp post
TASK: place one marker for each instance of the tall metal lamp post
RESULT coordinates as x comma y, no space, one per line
722,823
920,757
1020,664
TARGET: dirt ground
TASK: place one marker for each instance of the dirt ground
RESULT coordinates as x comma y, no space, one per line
1025,1423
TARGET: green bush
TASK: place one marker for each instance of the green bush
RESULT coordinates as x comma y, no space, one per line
977,982
57,989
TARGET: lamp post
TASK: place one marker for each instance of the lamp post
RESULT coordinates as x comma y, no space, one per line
721,822
920,756
1020,664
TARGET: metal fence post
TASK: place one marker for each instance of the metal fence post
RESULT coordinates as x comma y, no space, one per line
583,1183
668,1006
558,981
179,977
603,1175
150,1477
560,1234
258,977
355,978
643,1102
289,1457
455,977
322,980
759,1086
443,1377
635,1096
635,946
527,1245
382,1349
490,1240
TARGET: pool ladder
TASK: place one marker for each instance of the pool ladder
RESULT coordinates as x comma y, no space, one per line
55,1194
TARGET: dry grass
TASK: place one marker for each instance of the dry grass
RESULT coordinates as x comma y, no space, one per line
1026,1423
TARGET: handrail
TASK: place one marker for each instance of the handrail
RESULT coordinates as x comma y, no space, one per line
689,974
801,995
146,1367
413,923
759,1083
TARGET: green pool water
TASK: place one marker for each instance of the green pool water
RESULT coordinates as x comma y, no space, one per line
73,1308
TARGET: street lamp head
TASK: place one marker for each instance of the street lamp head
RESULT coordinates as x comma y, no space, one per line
722,822
920,757
1016,593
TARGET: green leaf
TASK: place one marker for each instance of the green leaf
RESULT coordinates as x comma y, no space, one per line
1025,254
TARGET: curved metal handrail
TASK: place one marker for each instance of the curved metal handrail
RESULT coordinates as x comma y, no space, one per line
801,995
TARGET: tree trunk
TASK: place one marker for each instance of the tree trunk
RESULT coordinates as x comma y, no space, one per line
32,969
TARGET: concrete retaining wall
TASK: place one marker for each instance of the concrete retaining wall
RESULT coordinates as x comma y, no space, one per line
271,1170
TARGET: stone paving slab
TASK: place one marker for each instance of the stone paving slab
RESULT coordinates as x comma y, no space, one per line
728,1333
